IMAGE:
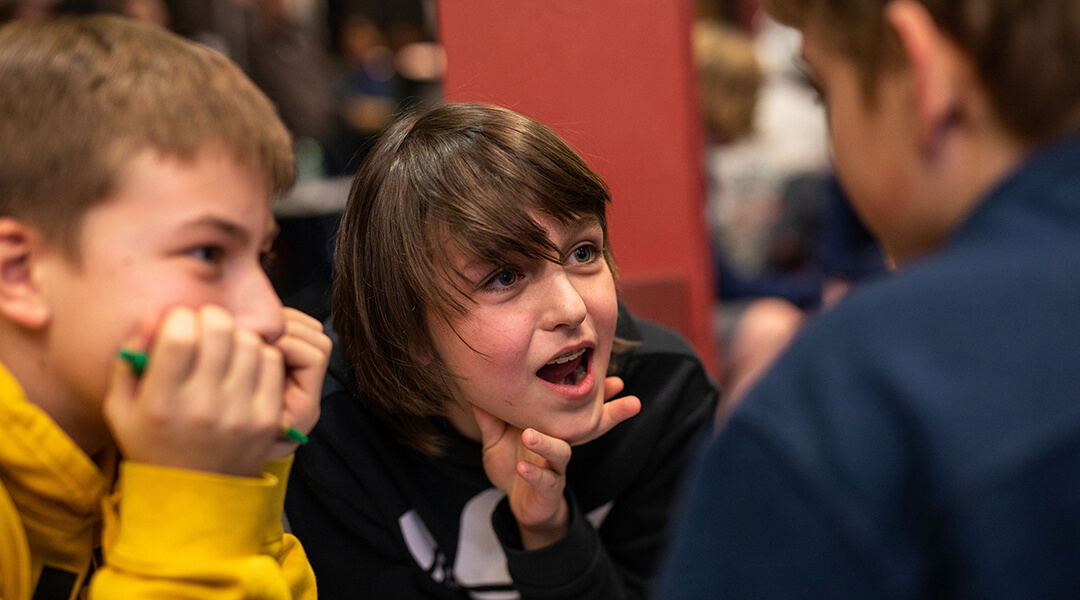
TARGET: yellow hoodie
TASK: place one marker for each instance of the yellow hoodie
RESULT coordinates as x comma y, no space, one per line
165,533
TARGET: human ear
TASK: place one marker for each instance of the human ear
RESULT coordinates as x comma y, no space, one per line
935,66
21,297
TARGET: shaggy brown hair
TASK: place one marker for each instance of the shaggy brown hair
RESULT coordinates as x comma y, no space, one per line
461,175
80,96
1026,51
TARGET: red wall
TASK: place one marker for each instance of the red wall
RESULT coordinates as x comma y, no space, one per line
615,79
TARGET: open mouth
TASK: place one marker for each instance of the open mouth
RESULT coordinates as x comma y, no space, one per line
569,369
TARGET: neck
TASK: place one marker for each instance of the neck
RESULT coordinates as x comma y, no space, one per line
462,418
954,181
25,358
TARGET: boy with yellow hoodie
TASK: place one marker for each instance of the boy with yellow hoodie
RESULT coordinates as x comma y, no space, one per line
136,172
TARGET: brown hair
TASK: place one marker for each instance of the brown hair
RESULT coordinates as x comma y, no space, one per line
466,175
1026,51
81,95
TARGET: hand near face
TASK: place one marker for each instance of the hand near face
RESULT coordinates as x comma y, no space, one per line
213,396
530,467
306,352
614,411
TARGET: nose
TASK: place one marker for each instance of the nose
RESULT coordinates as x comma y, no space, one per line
258,308
563,304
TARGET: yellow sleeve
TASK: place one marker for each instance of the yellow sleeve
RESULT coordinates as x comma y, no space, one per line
172,533
14,552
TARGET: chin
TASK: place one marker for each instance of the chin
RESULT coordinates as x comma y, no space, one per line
573,429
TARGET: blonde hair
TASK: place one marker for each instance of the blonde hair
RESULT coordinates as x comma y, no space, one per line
730,79
82,95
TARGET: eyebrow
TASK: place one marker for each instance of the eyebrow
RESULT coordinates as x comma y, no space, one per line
584,222
576,228
231,229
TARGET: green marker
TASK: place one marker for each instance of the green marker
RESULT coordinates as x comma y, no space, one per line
138,361
289,433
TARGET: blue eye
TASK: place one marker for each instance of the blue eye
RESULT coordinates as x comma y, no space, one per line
504,279
584,254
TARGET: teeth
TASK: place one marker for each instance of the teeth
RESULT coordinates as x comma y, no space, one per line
565,358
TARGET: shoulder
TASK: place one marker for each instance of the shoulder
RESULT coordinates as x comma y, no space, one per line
347,435
664,371
339,374
652,341
939,352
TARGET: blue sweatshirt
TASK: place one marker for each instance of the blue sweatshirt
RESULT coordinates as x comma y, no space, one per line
920,440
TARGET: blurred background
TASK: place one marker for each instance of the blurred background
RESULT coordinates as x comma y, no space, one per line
727,223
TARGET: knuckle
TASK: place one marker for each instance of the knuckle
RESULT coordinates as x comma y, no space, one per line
324,342
265,425
178,331
272,354
204,418
302,318
247,342
216,320
156,417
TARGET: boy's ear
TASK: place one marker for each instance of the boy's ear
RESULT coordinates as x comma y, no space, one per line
21,297
936,67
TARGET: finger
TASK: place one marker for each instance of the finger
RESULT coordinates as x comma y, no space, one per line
302,353
245,368
492,428
121,394
216,329
612,387
613,412
174,352
304,343
268,404
555,451
299,323
546,481
618,410
305,367
272,391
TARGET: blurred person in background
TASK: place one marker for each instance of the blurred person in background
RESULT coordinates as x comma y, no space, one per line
783,242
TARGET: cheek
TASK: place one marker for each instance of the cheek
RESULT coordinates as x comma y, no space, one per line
147,300
603,306
477,344
849,160
502,339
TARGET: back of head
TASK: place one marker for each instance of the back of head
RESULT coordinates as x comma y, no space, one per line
82,95
1025,51
730,78
469,177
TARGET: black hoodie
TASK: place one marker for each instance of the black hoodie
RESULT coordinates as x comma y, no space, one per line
381,520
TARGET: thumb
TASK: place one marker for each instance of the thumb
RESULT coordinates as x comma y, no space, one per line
615,412
612,386
618,410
